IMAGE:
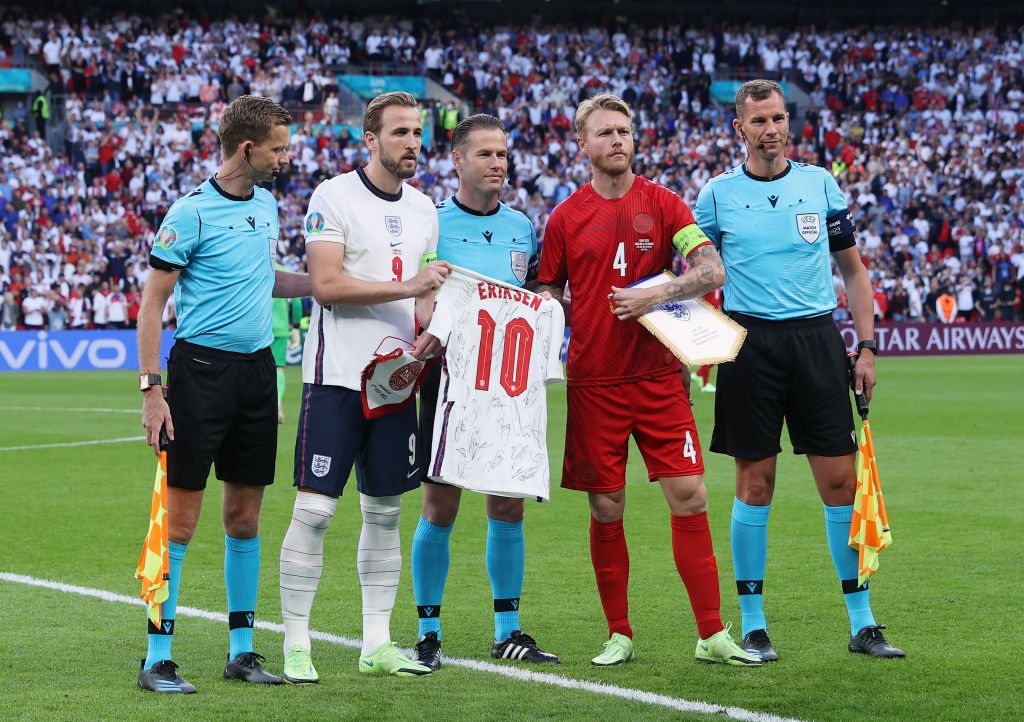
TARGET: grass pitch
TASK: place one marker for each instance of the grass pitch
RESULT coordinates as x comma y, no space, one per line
947,436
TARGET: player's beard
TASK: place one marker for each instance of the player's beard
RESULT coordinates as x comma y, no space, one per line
393,166
615,167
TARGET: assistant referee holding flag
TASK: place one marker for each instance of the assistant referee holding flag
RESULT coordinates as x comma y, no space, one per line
777,225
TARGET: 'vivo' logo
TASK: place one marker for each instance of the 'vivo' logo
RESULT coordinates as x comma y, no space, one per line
65,350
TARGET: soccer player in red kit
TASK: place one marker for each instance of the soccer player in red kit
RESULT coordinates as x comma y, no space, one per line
612,232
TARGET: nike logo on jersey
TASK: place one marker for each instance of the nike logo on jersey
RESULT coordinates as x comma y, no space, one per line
409,475
487,235
396,243
773,200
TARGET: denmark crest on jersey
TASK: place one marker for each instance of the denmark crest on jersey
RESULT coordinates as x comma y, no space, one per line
809,226
393,224
520,264
320,466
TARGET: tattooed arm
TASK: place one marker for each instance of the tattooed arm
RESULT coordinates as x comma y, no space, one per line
704,273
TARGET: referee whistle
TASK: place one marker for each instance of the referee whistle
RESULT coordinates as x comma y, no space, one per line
861,398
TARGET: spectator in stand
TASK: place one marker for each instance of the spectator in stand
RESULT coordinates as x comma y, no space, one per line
10,312
986,303
34,308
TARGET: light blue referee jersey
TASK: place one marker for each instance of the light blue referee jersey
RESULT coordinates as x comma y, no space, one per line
774,238
222,244
501,244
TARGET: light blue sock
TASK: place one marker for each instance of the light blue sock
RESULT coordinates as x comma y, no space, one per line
241,577
430,559
506,563
749,533
844,557
160,638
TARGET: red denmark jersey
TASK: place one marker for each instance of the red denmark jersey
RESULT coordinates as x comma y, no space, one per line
595,243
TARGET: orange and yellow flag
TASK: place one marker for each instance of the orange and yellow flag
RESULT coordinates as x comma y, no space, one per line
869,528
154,564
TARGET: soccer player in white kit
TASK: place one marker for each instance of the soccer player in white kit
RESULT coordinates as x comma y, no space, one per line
367,233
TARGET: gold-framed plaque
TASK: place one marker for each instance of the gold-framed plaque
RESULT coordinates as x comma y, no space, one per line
694,330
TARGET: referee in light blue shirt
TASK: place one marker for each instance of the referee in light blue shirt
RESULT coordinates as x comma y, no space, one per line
778,225
215,249
481,234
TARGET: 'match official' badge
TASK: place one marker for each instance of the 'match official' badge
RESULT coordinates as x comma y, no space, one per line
809,226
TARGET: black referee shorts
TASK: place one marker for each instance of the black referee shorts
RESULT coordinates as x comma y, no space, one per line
794,370
224,409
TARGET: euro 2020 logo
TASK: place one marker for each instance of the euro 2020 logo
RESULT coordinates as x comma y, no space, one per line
314,222
167,238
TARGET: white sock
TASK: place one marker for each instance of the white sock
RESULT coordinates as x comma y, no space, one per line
379,562
302,561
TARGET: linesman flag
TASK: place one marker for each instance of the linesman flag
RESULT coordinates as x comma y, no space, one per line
154,564
869,527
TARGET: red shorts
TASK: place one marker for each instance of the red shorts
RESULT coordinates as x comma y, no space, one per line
601,418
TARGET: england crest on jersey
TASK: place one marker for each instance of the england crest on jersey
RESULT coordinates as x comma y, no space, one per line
393,224
320,466
809,226
520,264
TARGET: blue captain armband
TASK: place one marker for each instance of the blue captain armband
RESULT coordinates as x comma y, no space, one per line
840,230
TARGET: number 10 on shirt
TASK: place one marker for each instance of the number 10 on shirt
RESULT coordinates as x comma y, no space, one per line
515,357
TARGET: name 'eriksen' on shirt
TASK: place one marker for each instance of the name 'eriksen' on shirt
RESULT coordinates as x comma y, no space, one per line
488,290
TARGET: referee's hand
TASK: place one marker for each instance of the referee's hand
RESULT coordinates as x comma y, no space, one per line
156,415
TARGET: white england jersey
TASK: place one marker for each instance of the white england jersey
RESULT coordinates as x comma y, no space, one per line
503,343
385,237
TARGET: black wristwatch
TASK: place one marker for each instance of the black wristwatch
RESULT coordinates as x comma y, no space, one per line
868,344
148,381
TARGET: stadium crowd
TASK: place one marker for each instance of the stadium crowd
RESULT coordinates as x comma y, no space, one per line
923,128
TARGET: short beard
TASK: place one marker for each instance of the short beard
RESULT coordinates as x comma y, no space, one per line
615,171
394,166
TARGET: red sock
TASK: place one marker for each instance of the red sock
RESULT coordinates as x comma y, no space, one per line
695,561
704,372
610,556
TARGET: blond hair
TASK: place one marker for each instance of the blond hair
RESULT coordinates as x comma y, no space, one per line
601,101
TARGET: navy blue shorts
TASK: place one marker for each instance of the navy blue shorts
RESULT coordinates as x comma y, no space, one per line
333,434
794,370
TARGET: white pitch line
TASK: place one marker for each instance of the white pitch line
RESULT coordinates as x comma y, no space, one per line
637,695
81,408
73,443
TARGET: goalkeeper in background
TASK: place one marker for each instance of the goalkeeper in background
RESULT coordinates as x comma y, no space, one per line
287,315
